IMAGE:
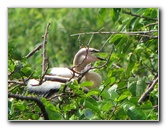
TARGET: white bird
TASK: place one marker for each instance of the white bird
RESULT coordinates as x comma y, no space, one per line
81,59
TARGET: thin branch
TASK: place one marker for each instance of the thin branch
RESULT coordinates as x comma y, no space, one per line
44,49
140,16
16,82
136,33
90,40
36,49
20,82
43,75
116,66
35,99
106,42
144,95
151,24
80,42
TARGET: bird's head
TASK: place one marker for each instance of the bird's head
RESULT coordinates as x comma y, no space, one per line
85,56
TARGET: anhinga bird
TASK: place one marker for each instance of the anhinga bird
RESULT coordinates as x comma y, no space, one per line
81,59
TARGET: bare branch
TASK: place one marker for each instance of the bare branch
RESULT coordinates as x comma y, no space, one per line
36,49
80,42
16,82
144,95
43,75
90,40
141,16
136,33
106,42
151,24
35,99
44,50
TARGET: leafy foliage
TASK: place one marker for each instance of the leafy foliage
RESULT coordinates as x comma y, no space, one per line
131,71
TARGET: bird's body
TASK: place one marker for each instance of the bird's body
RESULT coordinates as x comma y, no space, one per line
93,77
82,58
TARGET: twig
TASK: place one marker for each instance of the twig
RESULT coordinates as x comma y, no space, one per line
36,49
80,42
11,73
143,96
16,82
43,75
106,42
116,66
35,99
90,40
141,16
136,33
44,49
151,24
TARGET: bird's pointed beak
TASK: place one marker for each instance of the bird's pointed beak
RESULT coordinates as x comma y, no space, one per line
101,59
95,51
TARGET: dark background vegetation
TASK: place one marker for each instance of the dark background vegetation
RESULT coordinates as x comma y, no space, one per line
131,71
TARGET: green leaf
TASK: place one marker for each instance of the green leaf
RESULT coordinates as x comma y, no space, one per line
110,80
105,94
136,113
92,92
86,83
124,95
91,104
35,116
116,38
26,71
113,95
146,105
122,42
126,105
134,100
102,12
132,24
20,106
132,87
131,64
133,112
53,115
107,106
114,13
9,107
141,86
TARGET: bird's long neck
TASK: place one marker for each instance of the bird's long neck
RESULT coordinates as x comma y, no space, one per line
79,62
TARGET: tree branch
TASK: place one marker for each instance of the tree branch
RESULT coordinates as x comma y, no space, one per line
44,49
141,16
35,99
136,33
143,96
36,49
